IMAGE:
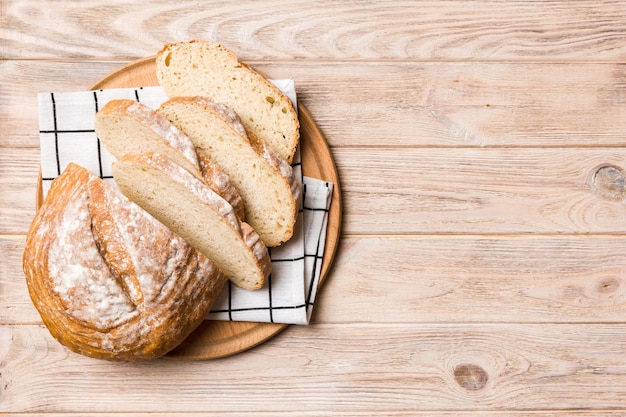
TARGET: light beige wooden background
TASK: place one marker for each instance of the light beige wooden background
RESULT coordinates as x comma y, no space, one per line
481,147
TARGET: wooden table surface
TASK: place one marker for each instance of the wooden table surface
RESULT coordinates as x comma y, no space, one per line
481,148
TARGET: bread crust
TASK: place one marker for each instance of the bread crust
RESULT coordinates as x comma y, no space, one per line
108,280
220,182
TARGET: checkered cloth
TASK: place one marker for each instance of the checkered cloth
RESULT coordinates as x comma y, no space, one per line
66,131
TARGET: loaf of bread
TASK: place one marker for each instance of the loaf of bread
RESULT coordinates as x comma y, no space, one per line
196,213
265,181
203,68
109,280
129,127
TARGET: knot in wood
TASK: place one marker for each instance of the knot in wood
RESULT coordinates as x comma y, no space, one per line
471,377
609,182
608,285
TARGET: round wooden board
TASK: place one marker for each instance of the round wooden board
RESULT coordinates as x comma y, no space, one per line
217,339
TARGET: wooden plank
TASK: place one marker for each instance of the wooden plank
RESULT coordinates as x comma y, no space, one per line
481,191
512,279
536,413
19,169
15,304
433,190
397,104
546,279
466,104
417,367
323,29
21,81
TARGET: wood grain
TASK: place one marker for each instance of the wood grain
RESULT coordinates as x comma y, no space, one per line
413,413
480,148
480,191
323,29
478,279
405,104
16,306
18,168
527,367
459,279
434,190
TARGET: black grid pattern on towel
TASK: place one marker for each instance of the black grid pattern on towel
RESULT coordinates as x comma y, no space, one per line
314,257
69,119
67,135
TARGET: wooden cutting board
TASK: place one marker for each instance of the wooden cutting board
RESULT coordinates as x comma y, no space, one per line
216,339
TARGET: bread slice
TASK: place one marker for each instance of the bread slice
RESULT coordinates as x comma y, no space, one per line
266,182
203,68
200,216
109,280
129,127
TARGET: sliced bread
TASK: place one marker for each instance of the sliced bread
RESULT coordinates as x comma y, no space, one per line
203,68
195,212
129,127
265,181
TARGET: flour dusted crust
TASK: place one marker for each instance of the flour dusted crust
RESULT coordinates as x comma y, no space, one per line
108,280
129,127
202,217
204,68
270,191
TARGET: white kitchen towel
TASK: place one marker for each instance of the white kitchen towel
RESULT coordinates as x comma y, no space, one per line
66,131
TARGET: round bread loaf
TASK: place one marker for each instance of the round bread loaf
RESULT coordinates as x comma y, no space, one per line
109,280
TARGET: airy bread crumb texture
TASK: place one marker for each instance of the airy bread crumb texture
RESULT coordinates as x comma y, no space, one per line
203,68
